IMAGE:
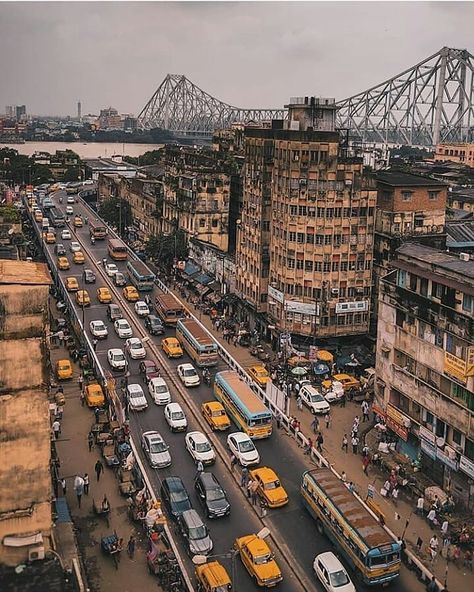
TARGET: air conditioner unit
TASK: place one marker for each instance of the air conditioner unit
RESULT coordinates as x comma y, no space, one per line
36,553
334,291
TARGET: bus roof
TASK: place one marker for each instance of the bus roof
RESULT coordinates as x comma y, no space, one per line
197,331
116,242
97,223
242,391
169,302
350,508
140,267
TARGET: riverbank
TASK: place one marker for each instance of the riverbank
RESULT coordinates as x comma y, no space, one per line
85,149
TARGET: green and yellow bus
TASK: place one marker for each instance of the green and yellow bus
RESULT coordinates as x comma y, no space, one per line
365,544
244,407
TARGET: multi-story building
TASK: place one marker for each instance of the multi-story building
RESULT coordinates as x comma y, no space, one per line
305,238
460,153
425,362
110,119
462,199
145,197
25,478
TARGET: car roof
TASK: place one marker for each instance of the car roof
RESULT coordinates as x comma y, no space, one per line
146,363
115,350
266,474
158,380
187,366
174,483
198,436
214,405
141,302
174,407
133,340
240,436
208,479
192,517
121,321
331,562
153,317
134,387
153,435
98,321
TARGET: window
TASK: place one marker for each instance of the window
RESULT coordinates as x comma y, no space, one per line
202,222
308,266
299,264
433,195
291,263
457,437
402,278
292,236
406,195
467,302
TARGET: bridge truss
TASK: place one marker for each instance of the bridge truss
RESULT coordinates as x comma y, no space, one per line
180,106
429,103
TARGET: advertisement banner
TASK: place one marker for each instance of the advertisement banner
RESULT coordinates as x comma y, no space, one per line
446,459
455,367
427,435
467,466
470,361
397,428
428,449
275,294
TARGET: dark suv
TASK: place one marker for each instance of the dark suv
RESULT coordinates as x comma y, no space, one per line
89,276
113,312
60,250
119,279
153,325
174,496
212,496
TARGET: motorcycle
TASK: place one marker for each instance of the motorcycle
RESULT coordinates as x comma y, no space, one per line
206,377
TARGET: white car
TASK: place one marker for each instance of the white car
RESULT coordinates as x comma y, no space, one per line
156,450
159,391
141,308
200,448
88,182
331,573
66,234
175,417
74,247
117,359
135,348
69,211
243,449
123,329
70,199
313,399
335,393
111,269
188,375
98,329
136,397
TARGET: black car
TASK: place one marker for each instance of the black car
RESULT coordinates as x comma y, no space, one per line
153,325
174,496
211,495
119,279
60,250
114,312
89,276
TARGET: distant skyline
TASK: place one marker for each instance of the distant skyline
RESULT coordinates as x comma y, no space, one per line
53,55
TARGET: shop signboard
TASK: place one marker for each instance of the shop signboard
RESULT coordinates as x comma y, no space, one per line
428,449
398,422
455,367
467,466
357,306
306,308
275,294
444,457
470,361
427,435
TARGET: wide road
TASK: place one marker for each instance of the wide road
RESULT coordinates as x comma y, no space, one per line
293,530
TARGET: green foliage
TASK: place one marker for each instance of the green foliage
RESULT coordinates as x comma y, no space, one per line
116,212
165,248
9,214
150,157
72,174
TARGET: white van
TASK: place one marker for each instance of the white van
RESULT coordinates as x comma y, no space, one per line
45,224
313,399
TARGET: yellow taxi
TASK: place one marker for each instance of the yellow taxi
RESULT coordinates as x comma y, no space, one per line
63,369
215,415
212,577
348,382
63,263
104,295
78,257
131,294
94,395
72,284
259,374
269,487
38,216
50,238
77,222
83,298
258,560
171,347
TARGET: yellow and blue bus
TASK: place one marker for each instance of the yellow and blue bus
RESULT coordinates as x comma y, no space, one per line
197,343
365,544
244,407
140,276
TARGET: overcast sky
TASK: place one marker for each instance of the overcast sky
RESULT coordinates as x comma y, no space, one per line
247,54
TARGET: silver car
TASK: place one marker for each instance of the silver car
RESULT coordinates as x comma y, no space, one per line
156,450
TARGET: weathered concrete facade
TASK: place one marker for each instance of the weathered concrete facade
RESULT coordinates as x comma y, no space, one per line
425,361
461,153
25,481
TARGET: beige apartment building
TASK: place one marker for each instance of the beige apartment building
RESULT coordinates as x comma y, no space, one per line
305,238
460,153
425,362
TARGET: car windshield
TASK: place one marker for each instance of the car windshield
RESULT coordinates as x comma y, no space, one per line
137,345
158,447
198,532
136,394
99,325
215,494
118,357
316,398
150,369
178,496
262,559
246,446
123,324
338,578
160,388
203,447
177,415
261,373
189,372
155,323
272,484
64,366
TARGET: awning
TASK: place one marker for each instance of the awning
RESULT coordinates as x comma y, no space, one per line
23,541
203,279
191,268
202,290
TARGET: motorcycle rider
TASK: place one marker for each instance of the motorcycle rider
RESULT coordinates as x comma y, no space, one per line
206,376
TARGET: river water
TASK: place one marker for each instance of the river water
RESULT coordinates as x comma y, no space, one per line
85,149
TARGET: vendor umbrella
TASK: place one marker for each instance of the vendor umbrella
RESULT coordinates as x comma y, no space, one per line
298,360
320,368
324,356
299,371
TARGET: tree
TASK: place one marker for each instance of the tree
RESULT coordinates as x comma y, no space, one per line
72,174
116,212
165,248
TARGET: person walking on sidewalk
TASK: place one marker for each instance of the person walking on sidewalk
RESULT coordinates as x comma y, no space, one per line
79,488
63,486
80,381
90,441
355,443
244,478
233,461
315,425
131,546
327,419
299,403
365,411
199,470
94,343
86,483
320,442
345,443
253,487
365,464
420,506
56,429
99,469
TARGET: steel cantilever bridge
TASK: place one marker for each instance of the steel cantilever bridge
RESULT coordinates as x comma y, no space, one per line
428,103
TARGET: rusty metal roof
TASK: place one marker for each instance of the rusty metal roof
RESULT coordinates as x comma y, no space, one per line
24,272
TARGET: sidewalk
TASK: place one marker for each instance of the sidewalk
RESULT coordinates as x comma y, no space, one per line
75,458
399,518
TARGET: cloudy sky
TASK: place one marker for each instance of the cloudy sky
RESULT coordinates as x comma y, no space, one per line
248,54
